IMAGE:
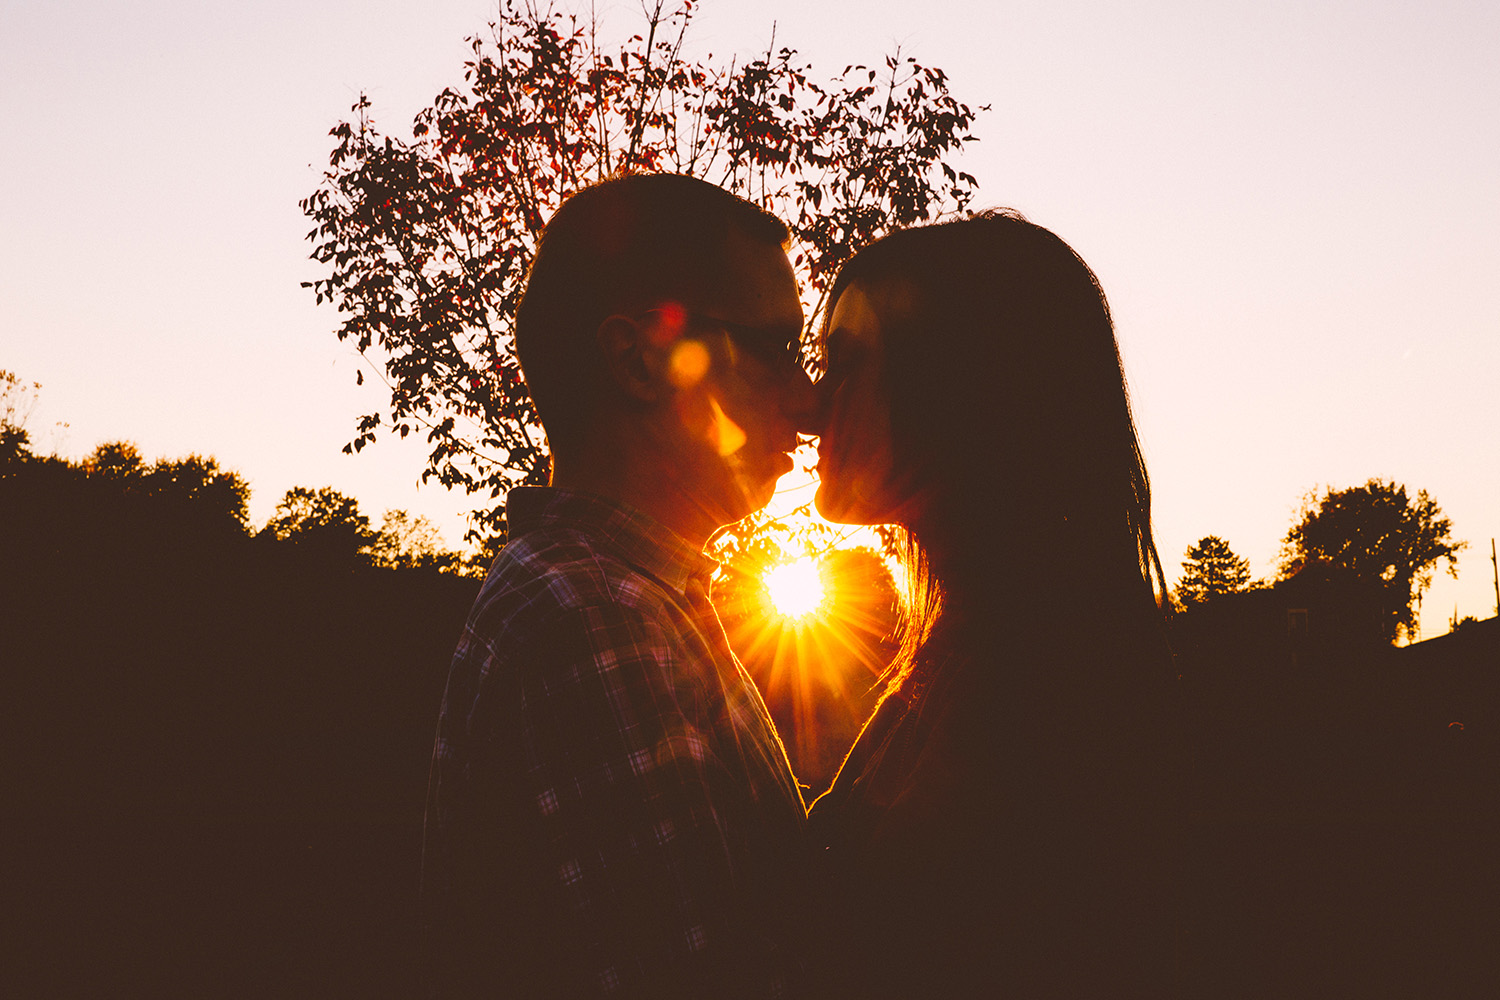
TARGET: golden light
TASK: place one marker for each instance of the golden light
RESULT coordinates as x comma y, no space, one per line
796,588
688,364
814,632
724,434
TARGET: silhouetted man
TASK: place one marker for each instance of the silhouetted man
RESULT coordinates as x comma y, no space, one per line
611,811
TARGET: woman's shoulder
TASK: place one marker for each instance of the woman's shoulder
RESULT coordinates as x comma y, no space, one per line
880,770
866,757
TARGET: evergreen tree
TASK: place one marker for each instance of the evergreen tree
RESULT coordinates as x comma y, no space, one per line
1210,570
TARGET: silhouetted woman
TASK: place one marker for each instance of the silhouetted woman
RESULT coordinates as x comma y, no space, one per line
1003,825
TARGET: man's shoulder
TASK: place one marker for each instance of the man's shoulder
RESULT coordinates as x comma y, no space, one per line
556,571
559,611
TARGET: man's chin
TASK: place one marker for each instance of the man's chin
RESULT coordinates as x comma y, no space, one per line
753,494
758,483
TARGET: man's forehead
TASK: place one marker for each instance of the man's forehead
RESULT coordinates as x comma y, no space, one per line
757,285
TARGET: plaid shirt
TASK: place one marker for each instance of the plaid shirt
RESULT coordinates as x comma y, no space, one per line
610,810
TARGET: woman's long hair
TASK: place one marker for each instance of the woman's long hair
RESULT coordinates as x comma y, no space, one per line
1010,414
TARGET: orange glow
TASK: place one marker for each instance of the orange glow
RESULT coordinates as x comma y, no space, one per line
688,365
796,588
813,630
726,436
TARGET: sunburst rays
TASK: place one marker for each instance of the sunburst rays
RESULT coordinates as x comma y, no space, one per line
815,633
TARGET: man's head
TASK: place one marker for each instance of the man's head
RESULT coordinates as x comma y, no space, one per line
664,308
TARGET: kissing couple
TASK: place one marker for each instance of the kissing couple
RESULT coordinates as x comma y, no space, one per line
611,811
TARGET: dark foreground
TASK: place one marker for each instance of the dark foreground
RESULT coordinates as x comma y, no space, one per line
215,759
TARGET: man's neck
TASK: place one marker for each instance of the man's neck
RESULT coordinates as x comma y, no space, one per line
657,492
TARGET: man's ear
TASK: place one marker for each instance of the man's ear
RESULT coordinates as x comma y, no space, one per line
634,361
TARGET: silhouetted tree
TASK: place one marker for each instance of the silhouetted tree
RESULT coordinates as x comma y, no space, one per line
17,399
324,521
1386,540
195,486
429,241
198,481
15,445
406,542
119,461
1211,569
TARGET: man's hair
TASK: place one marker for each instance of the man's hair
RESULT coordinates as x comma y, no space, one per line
623,246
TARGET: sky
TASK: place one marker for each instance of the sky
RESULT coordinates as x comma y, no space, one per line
1294,208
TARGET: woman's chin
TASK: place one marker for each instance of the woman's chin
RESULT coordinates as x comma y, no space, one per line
837,506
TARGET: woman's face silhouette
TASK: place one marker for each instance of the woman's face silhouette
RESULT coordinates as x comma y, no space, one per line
856,459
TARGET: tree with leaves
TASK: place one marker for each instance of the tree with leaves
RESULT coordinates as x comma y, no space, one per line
117,461
1387,541
1210,570
428,241
198,482
322,520
407,542
17,399
195,486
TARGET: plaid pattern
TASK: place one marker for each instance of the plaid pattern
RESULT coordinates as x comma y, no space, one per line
610,810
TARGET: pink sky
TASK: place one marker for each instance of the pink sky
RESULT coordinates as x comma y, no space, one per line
1294,208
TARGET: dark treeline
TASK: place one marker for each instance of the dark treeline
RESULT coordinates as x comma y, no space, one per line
216,746
216,750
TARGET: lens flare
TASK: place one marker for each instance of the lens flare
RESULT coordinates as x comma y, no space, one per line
796,588
726,436
671,321
688,365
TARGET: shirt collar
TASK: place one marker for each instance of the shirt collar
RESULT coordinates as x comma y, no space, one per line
642,540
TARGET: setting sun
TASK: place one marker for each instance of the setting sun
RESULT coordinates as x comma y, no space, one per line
796,588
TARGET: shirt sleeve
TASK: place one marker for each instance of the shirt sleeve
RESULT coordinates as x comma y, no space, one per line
640,811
